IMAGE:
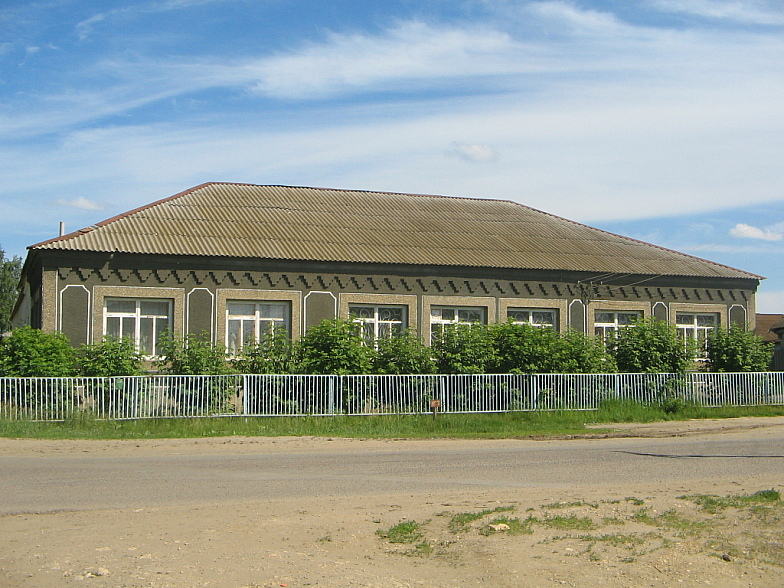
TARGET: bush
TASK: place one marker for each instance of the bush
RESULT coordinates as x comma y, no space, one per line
273,355
581,354
651,346
193,355
29,352
524,349
403,354
465,349
334,347
737,350
111,357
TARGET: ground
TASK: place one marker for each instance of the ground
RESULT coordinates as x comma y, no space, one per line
637,535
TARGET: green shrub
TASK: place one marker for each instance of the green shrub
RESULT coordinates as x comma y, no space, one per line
272,355
580,354
29,352
334,347
403,354
524,349
464,349
651,346
737,350
192,355
111,357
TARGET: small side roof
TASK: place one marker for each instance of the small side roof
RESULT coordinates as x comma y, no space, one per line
317,224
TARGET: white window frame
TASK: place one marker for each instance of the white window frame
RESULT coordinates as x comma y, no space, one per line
532,319
438,323
138,317
695,332
374,324
602,329
261,325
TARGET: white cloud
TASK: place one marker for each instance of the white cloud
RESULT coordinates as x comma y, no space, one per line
742,11
85,28
409,51
82,203
473,153
744,231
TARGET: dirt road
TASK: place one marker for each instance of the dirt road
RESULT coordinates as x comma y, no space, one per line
473,522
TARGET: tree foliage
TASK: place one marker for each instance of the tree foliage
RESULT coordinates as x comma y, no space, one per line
10,272
737,350
29,352
651,346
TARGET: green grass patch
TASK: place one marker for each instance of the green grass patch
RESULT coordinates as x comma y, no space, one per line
403,532
466,426
516,526
669,520
713,504
461,522
568,522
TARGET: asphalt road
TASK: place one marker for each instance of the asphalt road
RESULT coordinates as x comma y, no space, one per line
94,480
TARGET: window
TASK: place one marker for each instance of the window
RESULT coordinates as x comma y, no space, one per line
694,326
248,322
606,323
442,316
378,322
143,320
535,317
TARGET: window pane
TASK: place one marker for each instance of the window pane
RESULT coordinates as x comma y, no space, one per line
706,320
161,332
233,337
146,336
390,314
684,319
447,314
113,327
604,317
128,328
242,308
518,316
276,311
362,312
119,305
154,307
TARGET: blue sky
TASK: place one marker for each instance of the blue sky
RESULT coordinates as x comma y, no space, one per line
661,120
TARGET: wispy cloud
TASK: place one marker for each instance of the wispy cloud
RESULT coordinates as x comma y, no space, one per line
82,203
766,12
473,153
744,231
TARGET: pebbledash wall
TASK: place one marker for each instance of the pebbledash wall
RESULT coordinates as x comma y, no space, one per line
73,295
84,286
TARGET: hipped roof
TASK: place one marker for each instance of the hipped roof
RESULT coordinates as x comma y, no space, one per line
316,224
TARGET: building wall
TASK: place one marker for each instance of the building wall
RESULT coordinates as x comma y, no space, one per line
74,291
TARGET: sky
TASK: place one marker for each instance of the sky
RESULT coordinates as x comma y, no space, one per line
661,120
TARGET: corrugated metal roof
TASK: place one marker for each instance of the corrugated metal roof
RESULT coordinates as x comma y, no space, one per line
315,224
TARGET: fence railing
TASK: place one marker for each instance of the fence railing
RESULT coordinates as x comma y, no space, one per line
285,395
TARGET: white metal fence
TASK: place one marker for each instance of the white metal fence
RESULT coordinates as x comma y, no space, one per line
286,395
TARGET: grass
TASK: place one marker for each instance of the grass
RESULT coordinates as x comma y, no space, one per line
713,504
403,532
467,426
460,522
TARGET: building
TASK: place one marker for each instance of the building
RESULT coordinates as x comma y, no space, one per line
236,260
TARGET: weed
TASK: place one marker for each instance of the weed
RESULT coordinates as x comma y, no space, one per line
460,522
634,501
578,503
403,532
569,522
516,526
711,503
669,520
